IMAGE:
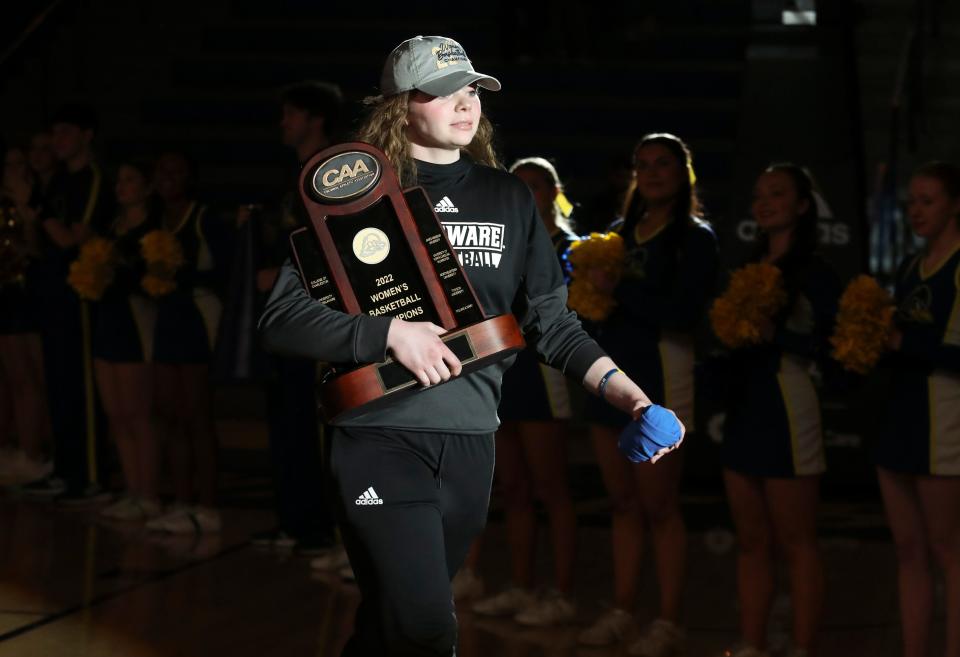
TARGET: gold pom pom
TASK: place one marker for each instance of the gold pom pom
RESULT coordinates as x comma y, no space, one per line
597,262
92,272
163,255
864,322
754,296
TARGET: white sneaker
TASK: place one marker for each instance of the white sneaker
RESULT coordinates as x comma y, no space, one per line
506,603
122,508
135,508
607,630
206,520
150,508
743,650
553,608
188,520
18,468
284,541
174,512
49,487
661,638
9,460
33,470
466,585
334,559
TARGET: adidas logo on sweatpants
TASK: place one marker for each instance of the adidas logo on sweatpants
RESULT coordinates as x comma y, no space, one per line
369,497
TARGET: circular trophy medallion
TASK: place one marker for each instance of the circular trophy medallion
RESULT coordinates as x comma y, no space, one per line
371,246
345,176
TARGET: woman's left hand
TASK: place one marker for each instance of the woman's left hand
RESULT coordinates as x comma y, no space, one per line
639,406
638,411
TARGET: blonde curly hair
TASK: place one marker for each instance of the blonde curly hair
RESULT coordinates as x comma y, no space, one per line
385,126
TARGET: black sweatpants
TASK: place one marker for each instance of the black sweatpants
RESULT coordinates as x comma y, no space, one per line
410,504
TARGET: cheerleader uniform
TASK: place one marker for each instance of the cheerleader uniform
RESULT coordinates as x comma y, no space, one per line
667,280
532,391
773,426
922,431
17,313
188,318
125,317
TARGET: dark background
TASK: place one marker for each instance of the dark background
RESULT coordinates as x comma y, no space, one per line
871,88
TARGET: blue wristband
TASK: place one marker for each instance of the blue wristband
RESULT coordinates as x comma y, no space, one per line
602,386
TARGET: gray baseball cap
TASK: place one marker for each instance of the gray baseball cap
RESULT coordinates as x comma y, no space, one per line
433,64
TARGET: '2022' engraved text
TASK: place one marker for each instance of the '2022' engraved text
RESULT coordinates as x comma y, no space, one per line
396,304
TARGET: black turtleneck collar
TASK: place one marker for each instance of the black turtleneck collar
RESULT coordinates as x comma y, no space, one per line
443,175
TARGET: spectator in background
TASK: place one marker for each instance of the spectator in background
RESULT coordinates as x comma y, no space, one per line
312,114
79,202
123,348
21,350
186,328
531,456
918,455
772,439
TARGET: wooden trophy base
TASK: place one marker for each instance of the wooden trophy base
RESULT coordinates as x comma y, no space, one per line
372,386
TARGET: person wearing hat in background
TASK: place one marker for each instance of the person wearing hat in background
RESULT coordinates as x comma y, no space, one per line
429,456
79,204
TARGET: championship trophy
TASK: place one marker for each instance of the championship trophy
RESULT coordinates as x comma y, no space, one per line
376,249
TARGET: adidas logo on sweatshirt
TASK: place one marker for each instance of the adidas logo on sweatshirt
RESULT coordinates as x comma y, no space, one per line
445,205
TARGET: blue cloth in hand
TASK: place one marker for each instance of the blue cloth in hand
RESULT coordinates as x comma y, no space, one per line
654,431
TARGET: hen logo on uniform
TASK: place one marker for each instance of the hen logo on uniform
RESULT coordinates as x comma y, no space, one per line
477,243
916,306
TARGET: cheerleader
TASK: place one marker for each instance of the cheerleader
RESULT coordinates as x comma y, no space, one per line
531,448
918,456
773,441
21,350
668,277
122,349
187,323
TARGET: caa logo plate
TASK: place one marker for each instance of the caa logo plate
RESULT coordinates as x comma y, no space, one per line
346,176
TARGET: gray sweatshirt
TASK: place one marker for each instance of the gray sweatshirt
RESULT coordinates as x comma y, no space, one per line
493,224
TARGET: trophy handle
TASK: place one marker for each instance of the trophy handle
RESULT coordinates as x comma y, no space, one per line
371,386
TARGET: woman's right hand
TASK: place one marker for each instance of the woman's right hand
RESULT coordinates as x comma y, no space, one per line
418,347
